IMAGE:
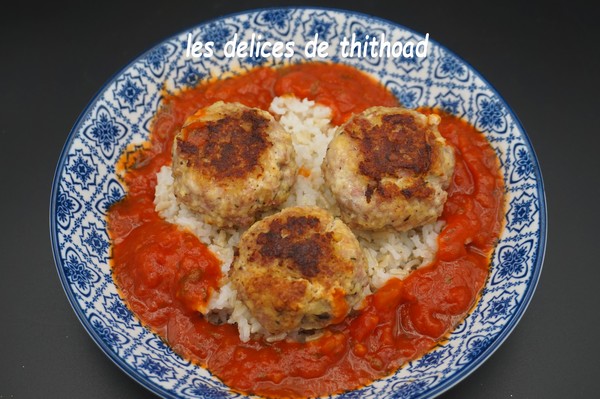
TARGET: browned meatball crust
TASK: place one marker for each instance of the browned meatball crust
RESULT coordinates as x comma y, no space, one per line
388,167
232,162
299,269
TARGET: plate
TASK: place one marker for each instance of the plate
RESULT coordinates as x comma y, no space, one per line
85,185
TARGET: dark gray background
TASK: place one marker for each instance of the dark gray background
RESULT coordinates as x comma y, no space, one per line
542,59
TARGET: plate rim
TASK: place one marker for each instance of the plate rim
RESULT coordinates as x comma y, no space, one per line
433,392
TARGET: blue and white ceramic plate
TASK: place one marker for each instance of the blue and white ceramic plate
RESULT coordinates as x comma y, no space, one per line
85,185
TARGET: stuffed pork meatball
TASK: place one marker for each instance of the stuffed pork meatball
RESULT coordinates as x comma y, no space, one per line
231,163
389,167
299,269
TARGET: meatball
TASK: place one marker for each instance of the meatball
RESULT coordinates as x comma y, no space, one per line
299,269
389,167
232,162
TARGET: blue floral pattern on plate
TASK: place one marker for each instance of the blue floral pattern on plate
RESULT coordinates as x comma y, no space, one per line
120,116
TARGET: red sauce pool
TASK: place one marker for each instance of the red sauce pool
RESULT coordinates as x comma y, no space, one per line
166,274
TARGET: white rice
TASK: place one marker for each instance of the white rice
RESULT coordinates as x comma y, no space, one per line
389,253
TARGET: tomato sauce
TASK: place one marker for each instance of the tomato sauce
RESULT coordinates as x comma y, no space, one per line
166,274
